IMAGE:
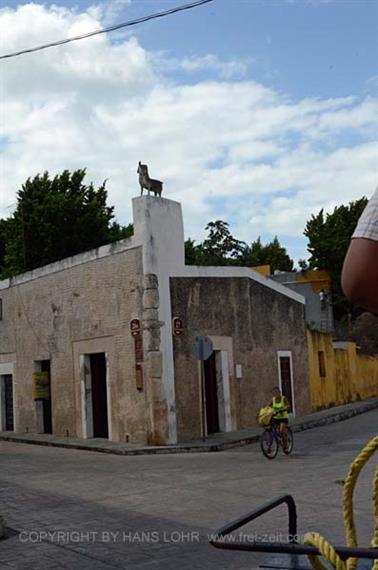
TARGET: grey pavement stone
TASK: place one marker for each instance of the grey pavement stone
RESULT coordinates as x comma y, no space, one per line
46,489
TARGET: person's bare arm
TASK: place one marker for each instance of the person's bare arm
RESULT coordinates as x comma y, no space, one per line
359,278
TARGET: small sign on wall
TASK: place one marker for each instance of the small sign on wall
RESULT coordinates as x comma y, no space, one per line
41,386
238,371
135,327
177,326
138,347
139,376
202,347
136,332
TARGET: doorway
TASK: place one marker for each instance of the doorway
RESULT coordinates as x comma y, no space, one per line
285,376
7,402
99,396
44,411
211,394
47,415
96,422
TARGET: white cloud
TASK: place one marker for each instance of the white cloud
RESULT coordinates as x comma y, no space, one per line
231,149
210,62
112,12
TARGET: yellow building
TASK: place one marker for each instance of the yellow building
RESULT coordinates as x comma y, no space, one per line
338,373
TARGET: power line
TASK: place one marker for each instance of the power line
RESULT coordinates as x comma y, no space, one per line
110,29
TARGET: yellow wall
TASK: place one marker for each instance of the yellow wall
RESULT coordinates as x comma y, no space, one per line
349,376
262,269
319,279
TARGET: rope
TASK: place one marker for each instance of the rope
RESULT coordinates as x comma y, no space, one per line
374,542
327,551
350,483
324,547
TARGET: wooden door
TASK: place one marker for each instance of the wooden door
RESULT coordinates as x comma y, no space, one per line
99,395
47,415
286,380
8,402
211,395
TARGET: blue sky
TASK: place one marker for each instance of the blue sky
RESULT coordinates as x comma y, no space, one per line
304,47
259,111
324,49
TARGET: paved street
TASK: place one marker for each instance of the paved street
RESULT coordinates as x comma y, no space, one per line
160,509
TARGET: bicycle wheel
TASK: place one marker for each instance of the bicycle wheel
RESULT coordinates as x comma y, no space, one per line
290,442
268,444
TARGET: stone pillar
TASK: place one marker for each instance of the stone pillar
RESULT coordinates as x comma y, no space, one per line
158,228
155,394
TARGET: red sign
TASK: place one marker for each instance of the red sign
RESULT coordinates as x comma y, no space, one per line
178,326
135,327
138,349
138,352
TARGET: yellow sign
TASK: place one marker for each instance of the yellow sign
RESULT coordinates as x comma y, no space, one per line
41,386
139,377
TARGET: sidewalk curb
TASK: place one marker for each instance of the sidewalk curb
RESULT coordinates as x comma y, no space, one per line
337,417
298,426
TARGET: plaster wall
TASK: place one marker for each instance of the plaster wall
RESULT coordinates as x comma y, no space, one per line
74,307
158,227
349,376
259,321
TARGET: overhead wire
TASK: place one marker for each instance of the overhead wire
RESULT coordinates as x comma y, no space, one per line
110,28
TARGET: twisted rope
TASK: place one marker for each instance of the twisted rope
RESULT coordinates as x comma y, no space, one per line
374,542
326,550
324,547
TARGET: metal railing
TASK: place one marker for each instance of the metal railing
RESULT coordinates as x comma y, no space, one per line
290,547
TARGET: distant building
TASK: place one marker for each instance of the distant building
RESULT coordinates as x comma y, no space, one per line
101,344
338,374
316,287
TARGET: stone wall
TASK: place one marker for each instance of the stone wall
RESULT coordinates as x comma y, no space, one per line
83,305
256,322
58,315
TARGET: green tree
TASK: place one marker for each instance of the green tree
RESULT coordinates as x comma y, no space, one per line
193,253
253,254
220,247
272,254
303,265
56,218
277,256
328,240
3,231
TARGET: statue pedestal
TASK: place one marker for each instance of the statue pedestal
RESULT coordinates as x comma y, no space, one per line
158,228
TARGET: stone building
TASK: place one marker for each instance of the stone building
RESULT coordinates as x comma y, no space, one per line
100,344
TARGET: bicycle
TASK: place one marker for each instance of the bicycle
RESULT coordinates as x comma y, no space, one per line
271,439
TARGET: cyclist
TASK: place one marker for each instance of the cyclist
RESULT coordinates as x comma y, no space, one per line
280,416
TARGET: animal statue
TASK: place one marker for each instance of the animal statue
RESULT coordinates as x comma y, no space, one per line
151,185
